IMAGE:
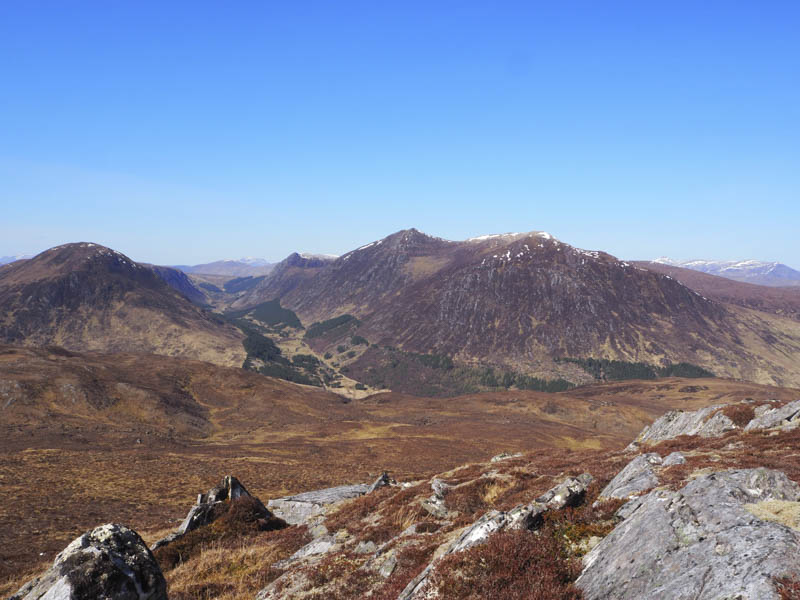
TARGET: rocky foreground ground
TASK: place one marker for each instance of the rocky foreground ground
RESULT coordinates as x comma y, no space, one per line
703,504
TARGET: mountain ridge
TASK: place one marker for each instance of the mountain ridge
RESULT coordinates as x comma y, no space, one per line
524,299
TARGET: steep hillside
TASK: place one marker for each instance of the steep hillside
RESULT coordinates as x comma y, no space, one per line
698,496
291,272
181,283
522,300
87,297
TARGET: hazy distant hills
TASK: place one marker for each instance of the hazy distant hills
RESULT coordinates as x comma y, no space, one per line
85,296
523,300
4,260
242,267
779,300
748,271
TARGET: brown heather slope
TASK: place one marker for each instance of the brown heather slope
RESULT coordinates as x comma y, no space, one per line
87,297
521,300
783,301
92,438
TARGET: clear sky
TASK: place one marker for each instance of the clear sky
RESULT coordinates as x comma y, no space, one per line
183,132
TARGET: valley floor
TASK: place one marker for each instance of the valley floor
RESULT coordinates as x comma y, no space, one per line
60,479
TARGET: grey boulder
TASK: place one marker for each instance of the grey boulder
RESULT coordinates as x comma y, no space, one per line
706,422
110,562
787,416
637,477
702,542
300,508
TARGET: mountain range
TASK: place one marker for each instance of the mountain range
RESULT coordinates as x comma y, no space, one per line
748,271
526,302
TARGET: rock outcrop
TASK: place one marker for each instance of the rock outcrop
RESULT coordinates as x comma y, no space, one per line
706,422
300,508
712,422
206,510
787,416
701,542
110,562
568,493
637,477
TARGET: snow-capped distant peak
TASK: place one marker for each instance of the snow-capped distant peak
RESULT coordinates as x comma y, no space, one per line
253,261
492,236
9,259
510,236
753,271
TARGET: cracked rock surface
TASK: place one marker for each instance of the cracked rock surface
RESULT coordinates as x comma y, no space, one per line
110,562
700,542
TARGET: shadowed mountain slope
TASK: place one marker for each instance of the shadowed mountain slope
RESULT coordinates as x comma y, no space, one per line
88,297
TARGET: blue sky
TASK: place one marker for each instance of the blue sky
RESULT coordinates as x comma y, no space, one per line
182,132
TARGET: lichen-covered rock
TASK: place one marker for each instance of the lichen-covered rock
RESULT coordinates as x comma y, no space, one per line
675,458
505,456
700,542
706,422
300,508
567,493
787,416
110,562
637,477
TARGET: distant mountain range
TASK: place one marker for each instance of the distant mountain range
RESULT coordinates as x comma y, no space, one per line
749,271
242,267
521,303
4,260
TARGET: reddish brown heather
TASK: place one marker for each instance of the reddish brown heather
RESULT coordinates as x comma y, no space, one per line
740,414
515,565
235,521
788,588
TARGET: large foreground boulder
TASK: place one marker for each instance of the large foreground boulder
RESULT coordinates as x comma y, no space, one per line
110,562
703,542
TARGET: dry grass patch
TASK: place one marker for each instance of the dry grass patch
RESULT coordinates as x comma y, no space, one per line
226,570
779,511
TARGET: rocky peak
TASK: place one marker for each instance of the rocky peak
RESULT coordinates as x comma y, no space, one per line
296,259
